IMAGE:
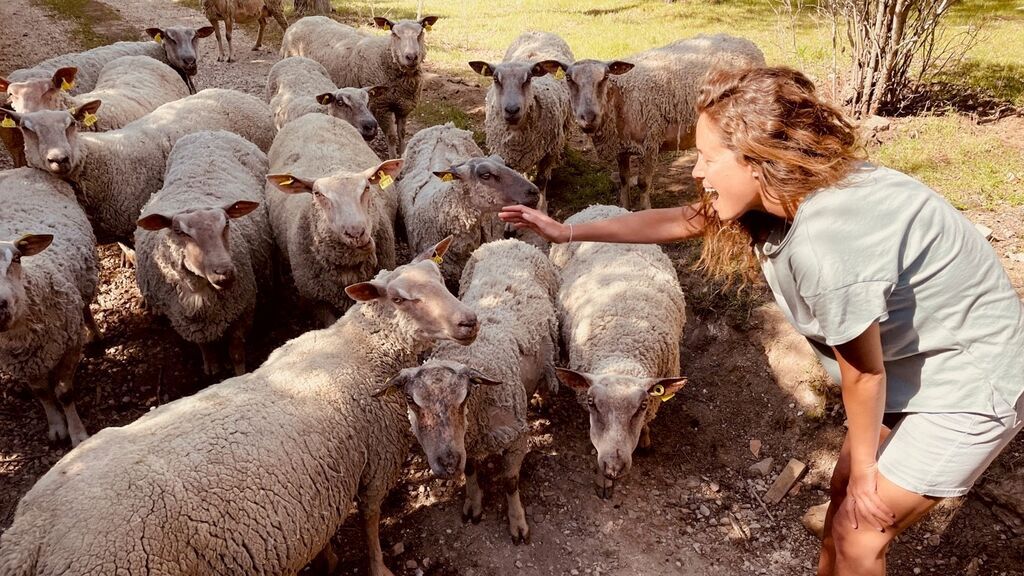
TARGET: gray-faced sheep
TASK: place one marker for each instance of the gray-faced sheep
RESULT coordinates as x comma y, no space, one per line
332,208
622,314
48,277
255,474
646,104
114,173
448,187
204,247
355,58
528,111
243,12
467,403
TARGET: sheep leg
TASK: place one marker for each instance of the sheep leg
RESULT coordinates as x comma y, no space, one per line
624,177
645,438
326,562
57,429
277,12
387,126
647,180
220,42
512,462
473,508
259,34
228,25
62,380
370,508
400,130
325,315
209,352
95,334
604,486
543,177
236,350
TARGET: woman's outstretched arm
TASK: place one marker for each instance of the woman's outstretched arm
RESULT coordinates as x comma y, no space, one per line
645,227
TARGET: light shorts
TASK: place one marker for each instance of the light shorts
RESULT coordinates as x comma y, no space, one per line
944,454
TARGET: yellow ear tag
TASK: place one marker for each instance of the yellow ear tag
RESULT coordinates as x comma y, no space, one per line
559,74
427,27
659,392
437,260
65,85
384,180
7,122
287,182
387,27
90,119
447,177
158,38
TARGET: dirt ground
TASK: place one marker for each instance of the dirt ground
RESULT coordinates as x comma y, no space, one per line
690,507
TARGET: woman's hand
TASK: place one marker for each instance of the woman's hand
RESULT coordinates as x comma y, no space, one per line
862,504
545,226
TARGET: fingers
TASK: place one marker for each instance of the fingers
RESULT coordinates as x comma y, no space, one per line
850,504
876,512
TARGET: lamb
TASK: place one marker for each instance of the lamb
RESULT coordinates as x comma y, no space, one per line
177,46
357,59
48,277
647,104
243,12
255,474
130,87
528,112
448,187
332,208
298,86
622,314
467,403
114,173
198,261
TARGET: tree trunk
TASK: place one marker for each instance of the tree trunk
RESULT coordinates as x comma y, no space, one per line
312,7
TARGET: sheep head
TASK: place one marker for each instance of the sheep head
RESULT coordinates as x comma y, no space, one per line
512,90
39,93
51,136
181,46
408,40
588,82
353,106
491,184
12,285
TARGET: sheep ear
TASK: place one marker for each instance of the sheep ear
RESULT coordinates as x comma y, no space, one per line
290,184
482,68
435,252
665,388
385,173
204,31
576,380
619,67
381,22
9,118
32,244
325,98
4,84
154,222
388,390
428,21
157,34
549,67
86,113
64,78
366,291
376,91
240,208
479,378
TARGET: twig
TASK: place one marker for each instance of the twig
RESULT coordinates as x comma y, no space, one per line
761,502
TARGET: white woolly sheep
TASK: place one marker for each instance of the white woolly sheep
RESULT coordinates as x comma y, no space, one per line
332,208
448,187
622,314
298,86
198,261
467,403
242,12
114,173
45,291
647,104
357,59
252,475
528,112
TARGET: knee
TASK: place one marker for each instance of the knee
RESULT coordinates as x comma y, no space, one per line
857,547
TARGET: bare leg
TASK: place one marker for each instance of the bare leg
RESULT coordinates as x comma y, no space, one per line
512,462
624,180
473,508
57,429
228,25
371,519
62,378
220,42
259,35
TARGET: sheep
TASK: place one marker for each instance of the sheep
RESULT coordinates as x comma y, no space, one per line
130,87
243,12
48,277
198,261
177,46
622,314
332,208
255,474
298,86
357,59
28,96
448,187
466,403
647,104
528,115
115,172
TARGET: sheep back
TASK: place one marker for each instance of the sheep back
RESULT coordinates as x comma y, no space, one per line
131,87
90,63
292,85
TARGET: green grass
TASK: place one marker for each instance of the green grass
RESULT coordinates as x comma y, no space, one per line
971,167
433,112
95,23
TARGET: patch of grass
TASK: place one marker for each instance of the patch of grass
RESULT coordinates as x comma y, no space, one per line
434,112
972,168
578,183
95,23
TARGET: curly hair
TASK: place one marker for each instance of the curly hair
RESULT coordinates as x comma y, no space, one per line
796,142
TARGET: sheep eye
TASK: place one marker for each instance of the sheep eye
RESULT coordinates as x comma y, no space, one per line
398,300
485,176
591,403
16,259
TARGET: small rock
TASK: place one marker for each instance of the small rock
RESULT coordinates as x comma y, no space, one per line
814,520
519,564
608,527
934,540
763,467
789,475
398,549
917,570
1015,256
410,564
755,447
704,511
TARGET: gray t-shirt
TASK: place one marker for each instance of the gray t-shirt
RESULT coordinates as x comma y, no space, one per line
883,246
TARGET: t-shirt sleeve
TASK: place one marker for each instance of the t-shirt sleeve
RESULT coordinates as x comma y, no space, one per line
846,312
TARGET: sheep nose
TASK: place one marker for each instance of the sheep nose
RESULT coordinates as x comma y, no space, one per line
410,57
369,130
223,277
189,61
512,109
57,157
468,327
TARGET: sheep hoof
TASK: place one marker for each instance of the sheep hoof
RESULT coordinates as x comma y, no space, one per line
605,490
470,516
520,535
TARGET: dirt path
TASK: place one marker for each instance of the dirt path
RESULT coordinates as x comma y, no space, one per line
688,508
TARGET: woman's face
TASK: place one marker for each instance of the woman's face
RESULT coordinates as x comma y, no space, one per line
727,177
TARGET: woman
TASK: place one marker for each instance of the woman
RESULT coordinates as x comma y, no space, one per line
906,304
